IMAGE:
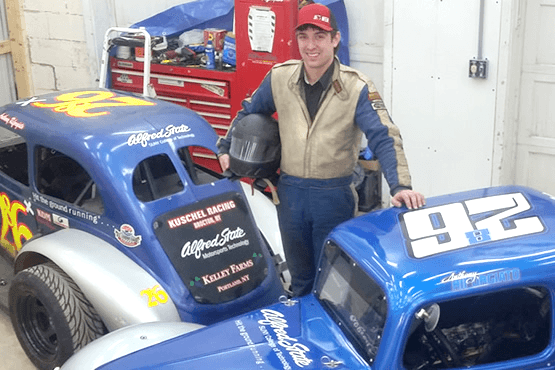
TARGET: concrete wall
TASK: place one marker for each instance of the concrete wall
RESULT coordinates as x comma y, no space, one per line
7,85
65,37
58,49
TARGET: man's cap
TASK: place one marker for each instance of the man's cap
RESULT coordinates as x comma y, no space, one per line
317,15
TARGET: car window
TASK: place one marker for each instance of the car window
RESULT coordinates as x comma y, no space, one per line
13,156
197,172
62,177
482,329
353,299
156,177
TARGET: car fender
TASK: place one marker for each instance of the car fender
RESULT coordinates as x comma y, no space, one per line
121,291
124,341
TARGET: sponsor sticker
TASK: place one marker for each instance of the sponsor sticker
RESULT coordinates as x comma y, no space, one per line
13,122
214,247
464,280
126,236
60,221
376,100
202,217
167,134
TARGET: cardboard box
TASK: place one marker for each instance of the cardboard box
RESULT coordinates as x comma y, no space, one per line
229,49
217,36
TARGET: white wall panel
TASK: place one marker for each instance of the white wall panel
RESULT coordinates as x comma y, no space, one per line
366,38
447,119
536,117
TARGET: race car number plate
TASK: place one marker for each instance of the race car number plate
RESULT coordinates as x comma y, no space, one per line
448,227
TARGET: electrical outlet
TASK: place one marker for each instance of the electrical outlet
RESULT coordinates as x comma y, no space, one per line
478,69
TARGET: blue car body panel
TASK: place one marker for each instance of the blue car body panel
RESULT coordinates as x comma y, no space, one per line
277,337
461,245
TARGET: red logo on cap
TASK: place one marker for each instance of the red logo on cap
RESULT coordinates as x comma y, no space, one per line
322,18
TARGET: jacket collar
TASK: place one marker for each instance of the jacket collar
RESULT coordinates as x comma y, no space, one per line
336,83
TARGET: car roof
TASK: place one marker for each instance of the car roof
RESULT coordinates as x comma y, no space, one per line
93,122
381,243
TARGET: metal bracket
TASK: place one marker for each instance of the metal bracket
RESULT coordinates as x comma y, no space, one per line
478,67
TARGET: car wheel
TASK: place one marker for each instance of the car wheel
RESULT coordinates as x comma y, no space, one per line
50,315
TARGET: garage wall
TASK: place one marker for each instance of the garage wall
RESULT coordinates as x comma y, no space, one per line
459,132
58,50
448,120
99,15
65,37
366,37
7,83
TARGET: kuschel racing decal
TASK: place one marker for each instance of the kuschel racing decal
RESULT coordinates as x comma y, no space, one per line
214,247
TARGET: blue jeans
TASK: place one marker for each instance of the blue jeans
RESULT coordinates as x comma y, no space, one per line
309,209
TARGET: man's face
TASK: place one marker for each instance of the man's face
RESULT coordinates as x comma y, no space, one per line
317,47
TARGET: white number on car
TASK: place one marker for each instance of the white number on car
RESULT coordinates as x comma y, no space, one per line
458,225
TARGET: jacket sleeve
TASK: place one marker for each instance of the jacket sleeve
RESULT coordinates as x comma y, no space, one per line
261,101
384,139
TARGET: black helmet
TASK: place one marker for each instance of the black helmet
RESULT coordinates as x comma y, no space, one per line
255,147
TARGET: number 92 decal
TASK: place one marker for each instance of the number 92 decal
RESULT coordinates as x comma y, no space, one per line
454,226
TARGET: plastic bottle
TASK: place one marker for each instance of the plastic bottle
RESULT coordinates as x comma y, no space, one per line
210,57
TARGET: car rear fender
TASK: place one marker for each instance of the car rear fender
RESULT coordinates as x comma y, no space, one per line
121,291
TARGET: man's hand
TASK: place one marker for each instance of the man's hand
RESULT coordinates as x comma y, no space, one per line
224,161
412,199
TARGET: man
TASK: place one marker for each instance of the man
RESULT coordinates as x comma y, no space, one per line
323,107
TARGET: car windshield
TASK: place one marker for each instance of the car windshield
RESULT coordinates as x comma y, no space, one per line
353,299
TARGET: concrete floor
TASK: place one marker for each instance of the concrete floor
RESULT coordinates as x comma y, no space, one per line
13,357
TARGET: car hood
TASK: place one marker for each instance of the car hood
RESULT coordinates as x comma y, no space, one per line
288,335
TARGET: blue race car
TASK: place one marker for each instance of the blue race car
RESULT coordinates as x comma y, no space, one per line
466,282
109,221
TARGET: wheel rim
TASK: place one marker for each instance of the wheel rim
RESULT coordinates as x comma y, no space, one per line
36,325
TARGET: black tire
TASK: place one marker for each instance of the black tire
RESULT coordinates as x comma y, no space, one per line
50,315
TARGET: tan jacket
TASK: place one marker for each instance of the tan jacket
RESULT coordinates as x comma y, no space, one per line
329,146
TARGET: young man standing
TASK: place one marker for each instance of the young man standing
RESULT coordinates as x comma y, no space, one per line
323,108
